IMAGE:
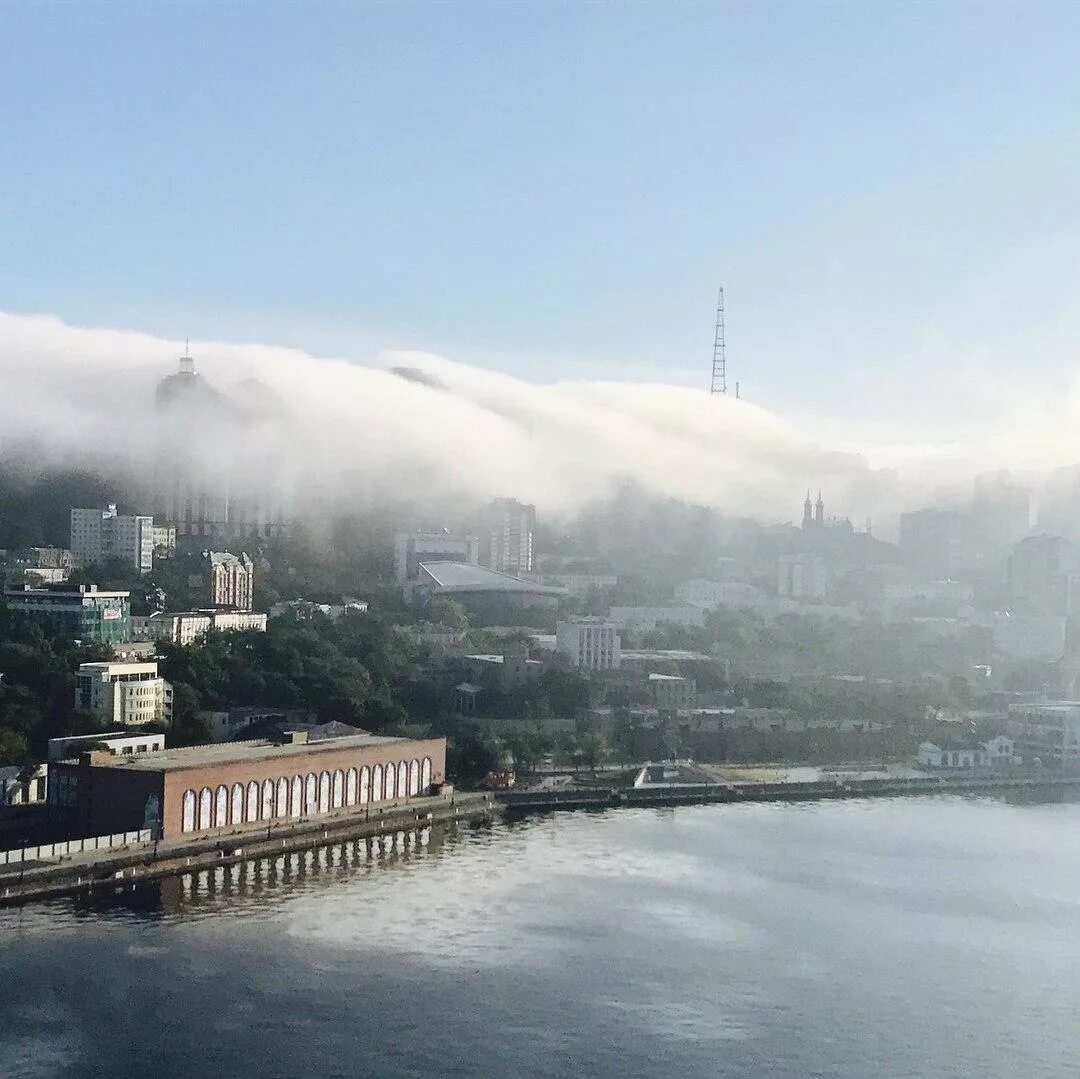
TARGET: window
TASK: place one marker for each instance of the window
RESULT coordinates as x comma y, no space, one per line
188,820
337,789
221,807
205,809
297,806
402,779
414,777
237,803
376,783
311,787
350,787
425,776
324,792
365,781
267,799
251,810
390,790
282,797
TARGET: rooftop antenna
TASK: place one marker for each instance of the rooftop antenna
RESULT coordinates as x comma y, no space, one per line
187,364
719,359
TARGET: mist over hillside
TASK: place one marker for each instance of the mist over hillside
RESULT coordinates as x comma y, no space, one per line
417,426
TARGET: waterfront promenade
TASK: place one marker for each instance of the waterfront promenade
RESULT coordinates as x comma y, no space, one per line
38,878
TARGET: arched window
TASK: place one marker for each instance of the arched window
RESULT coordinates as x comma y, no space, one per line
350,787
206,799
297,807
365,784
337,789
311,797
376,783
267,799
402,779
390,790
425,776
221,807
251,810
188,823
282,797
237,815
414,777
324,792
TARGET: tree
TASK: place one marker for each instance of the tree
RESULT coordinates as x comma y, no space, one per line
13,747
189,728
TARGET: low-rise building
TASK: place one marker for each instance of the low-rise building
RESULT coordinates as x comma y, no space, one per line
671,692
1046,732
121,742
305,609
186,627
244,786
81,613
23,785
588,644
127,694
646,619
965,751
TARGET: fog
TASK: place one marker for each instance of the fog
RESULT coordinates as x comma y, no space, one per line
424,427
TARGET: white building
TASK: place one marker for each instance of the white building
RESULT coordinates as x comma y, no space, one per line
305,609
589,644
442,545
954,752
186,627
801,576
646,619
100,534
119,742
671,692
230,580
125,694
164,541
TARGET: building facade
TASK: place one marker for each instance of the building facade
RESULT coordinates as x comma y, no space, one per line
244,786
441,545
84,613
508,537
101,534
589,644
186,627
801,576
124,694
230,580
1047,732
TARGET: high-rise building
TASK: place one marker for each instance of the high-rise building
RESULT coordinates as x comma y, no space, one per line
220,459
230,580
932,541
589,644
1044,572
101,534
507,541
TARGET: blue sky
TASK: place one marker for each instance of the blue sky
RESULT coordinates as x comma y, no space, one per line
886,191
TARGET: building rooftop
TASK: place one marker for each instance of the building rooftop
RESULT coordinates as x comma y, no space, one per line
67,591
177,760
462,577
666,678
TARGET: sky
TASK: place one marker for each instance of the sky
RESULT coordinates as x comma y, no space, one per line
555,191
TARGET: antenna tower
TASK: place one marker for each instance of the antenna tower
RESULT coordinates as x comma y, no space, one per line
719,358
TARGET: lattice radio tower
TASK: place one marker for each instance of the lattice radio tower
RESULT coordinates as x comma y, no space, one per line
719,357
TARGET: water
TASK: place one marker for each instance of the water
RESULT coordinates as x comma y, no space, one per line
913,937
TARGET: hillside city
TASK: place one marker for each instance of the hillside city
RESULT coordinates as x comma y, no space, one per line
180,609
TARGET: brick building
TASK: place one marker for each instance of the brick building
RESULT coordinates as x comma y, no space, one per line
243,785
